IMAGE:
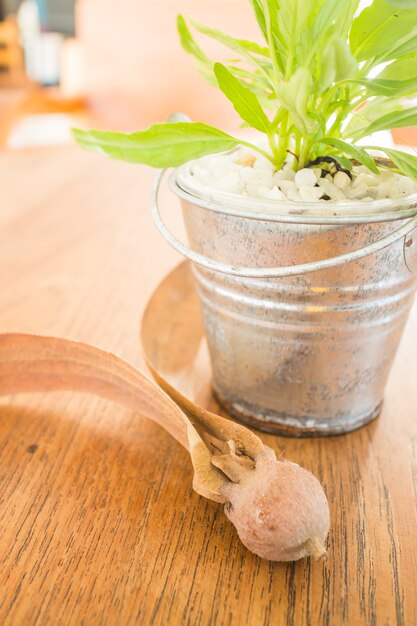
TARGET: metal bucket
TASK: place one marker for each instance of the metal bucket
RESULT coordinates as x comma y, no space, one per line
304,304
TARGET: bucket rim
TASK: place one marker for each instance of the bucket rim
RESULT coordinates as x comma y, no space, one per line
184,185
402,232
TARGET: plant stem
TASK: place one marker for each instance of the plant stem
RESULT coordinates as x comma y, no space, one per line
279,116
297,150
282,143
273,146
305,152
271,45
256,148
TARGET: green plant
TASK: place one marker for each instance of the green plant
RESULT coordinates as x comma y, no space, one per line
308,89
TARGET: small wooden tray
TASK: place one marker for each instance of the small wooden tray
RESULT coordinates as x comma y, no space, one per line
175,346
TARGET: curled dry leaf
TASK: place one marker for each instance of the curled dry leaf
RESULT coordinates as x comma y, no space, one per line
279,509
32,363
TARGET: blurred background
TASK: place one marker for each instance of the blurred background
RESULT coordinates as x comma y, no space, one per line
104,63
107,64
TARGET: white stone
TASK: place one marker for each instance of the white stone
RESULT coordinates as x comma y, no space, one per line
357,191
201,173
383,190
317,192
402,187
263,191
252,190
276,194
307,195
359,180
373,192
236,173
264,177
262,163
373,180
283,175
331,190
305,178
229,183
260,177
341,180
293,196
286,186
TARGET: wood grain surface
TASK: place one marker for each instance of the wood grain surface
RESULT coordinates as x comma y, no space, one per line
99,524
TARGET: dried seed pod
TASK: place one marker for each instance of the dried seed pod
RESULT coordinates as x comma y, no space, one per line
279,509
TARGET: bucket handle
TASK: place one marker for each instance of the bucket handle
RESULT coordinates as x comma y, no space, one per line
270,272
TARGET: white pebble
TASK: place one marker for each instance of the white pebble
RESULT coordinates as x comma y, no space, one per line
359,180
373,180
201,173
305,178
245,173
331,190
341,180
276,194
373,192
283,175
402,187
294,196
229,183
252,190
357,191
307,195
383,190
262,163
263,191
287,185
248,174
317,192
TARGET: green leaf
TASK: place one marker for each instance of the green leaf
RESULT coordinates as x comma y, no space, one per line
403,4
337,63
344,24
244,101
405,45
278,49
378,28
294,95
251,46
293,19
238,45
188,42
344,162
242,46
406,163
404,68
367,114
161,145
326,17
255,81
354,151
334,16
385,87
259,14
396,119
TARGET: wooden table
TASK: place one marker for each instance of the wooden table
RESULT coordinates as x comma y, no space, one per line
98,521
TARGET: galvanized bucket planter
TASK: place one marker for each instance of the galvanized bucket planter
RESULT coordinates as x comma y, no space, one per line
304,304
